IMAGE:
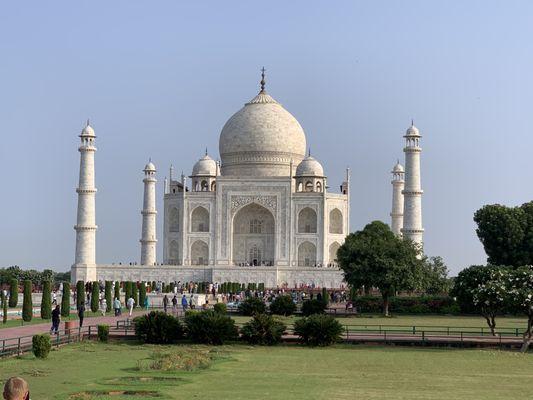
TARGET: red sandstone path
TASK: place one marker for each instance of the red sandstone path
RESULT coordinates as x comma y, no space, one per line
17,331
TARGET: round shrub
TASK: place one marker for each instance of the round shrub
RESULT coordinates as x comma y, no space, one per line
13,292
158,327
103,333
314,306
41,345
46,303
27,305
263,329
65,300
251,306
210,327
283,305
220,308
318,330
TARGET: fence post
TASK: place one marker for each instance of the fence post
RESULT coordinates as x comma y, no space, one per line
89,331
18,347
414,330
448,331
423,336
57,339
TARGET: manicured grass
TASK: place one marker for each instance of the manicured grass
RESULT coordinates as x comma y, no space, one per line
421,320
282,372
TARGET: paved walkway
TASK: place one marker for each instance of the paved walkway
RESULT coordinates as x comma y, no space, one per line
16,331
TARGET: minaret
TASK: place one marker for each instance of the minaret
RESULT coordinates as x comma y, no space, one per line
85,224
397,199
412,209
148,239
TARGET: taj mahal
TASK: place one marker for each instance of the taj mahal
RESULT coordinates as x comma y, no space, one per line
264,213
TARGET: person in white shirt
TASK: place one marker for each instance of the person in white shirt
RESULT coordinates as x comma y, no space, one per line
130,304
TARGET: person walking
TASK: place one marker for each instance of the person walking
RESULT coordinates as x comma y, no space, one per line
165,303
184,303
174,304
117,306
56,319
192,303
146,303
81,314
103,306
130,305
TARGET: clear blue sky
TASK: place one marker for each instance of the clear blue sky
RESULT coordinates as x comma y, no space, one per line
159,79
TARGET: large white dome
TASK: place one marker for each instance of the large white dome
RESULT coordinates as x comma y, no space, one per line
261,139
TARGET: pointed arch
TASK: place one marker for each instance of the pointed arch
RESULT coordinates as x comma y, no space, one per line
306,254
333,249
200,220
307,220
199,253
173,252
173,220
335,221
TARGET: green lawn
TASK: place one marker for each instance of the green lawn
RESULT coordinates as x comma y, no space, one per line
282,372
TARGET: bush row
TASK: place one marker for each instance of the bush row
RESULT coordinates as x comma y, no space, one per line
211,327
281,305
408,305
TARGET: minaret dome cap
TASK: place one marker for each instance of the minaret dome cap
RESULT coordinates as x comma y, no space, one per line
87,131
150,167
398,168
412,131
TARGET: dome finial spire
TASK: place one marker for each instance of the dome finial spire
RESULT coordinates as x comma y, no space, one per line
263,80
205,150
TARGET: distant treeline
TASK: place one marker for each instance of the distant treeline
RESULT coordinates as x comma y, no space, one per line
15,272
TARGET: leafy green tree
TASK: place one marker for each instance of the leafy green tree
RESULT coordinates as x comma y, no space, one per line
108,299
27,304
506,233
283,305
13,292
142,294
127,290
95,296
4,308
46,302
117,290
520,296
435,276
80,294
376,257
65,300
135,294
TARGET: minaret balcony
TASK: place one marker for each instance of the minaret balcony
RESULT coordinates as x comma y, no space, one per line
85,227
85,191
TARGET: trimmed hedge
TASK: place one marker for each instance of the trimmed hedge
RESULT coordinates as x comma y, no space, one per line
263,329
108,298
142,294
283,305
80,294
4,308
103,333
117,290
251,306
210,327
65,300
95,296
27,304
135,294
408,305
13,293
46,302
318,330
158,327
314,306
40,345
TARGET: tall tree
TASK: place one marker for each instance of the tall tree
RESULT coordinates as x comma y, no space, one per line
435,276
117,290
376,257
80,294
95,296
65,300
46,301
520,296
13,292
27,303
108,296
506,233
4,308
142,294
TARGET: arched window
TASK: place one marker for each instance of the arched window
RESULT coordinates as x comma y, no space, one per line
255,255
318,187
300,187
335,221
200,220
199,253
173,220
256,226
333,248
204,186
213,186
307,255
309,186
307,221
